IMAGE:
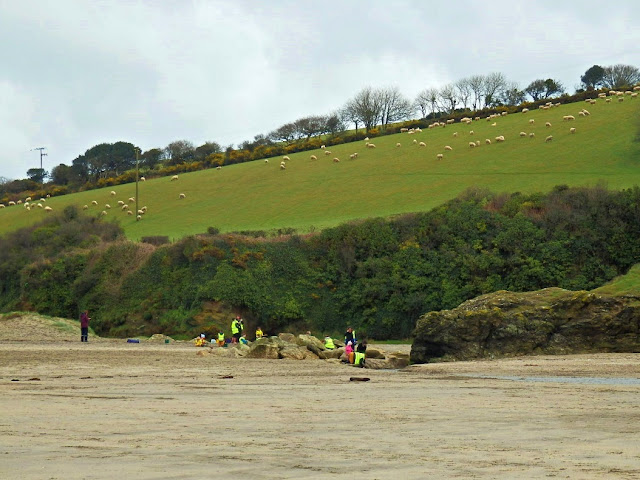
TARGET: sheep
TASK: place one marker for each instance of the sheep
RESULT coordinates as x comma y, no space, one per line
548,124
440,156
175,177
124,207
28,199
634,95
608,100
11,202
313,157
620,99
93,202
448,147
283,166
351,156
415,141
581,113
85,207
523,134
129,212
48,196
398,144
219,167
494,124
422,144
572,130
112,193
487,141
455,134
182,195
504,114
131,199
323,147
549,138
142,179
477,143
327,152
39,205
48,209
471,132
450,121
19,202
476,118
107,206
120,202
144,209
500,138
525,110
366,139
532,135
531,121
370,145
411,132
103,213
568,117
472,144
355,155
138,218
593,101
140,212
336,160
402,130
636,88
286,158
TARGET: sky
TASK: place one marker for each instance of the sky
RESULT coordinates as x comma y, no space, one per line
74,74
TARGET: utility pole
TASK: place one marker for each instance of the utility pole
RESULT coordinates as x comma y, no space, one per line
42,154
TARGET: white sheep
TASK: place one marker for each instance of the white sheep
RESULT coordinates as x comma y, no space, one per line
531,121
142,179
85,207
440,156
266,160
323,147
548,124
140,212
402,130
28,199
450,121
182,195
549,138
415,141
125,207
2,205
422,144
572,130
112,193
313,157
286,158
487,141
477,143
219,167
585,112
355,155
569,117
283,166
48,209
94,202
103,213
175,177
370,145
11,203
608,100
327,152
39,205
131,199
500,138
634,95
107,206
448,147
504,113
531,135
144,209
19,202
472,144
351,156
471,132
336,160
366,139
523,134
494,124
120,202
139,217
525,110
398,144
636,88
129,212
455,134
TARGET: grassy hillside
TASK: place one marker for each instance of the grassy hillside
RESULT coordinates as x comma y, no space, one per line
628,284
381,181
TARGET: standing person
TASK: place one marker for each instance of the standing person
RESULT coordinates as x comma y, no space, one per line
259,333
236,329
348,336
84,326
361,352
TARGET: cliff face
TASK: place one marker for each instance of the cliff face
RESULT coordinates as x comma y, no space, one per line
549,321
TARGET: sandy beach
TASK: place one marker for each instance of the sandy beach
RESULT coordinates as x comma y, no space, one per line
109,409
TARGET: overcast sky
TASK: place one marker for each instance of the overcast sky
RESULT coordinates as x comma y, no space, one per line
74,74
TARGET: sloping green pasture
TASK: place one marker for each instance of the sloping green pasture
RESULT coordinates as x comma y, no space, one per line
382,181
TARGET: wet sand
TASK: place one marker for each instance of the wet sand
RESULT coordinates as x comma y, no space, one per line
109,409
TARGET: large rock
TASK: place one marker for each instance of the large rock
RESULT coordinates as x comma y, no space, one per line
335,353
375,353
549,321
264,350
312,343
397,360
294,352
287,337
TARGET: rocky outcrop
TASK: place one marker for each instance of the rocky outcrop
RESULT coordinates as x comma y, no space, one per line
549,321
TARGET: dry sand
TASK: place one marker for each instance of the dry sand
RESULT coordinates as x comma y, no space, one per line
108,409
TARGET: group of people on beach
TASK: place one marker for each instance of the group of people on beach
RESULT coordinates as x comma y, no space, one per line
355,351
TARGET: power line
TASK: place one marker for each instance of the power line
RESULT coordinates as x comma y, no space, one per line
42,154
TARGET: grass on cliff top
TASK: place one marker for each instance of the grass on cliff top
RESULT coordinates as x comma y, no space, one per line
383,181
628,284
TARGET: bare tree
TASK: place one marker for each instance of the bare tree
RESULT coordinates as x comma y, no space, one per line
464,91
512,95
617,76
367,106
427,101
394,106
448,98
494,85
477,86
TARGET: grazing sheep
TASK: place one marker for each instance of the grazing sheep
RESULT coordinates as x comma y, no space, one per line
336,160
471,132
608,100
103,213
85,207
494,124
422,144
523,134
283,166
355,155
129,212
175,177
500,138
2,205
487,141
477,143
140,212
531,135
531,121
313,157
402,130
569,117
411,132
366,139
398,144
327,152
548,124
19,202
636,88
504,113
572,130
120,202
585,112
131,199
634,95
266,160
286,158
450,121
549,138
93,202
142,179
124,207
28,199
440,156
182,195
455,134
525,110
323,147
11,202
448,147
144,209
107,206
139,217
48,209
39,205
219,167
472,144
621,99
112,193
351,156
415,141
370,145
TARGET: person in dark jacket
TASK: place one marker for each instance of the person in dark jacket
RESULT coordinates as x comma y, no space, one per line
84,326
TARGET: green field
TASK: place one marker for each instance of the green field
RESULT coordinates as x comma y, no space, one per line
383,181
